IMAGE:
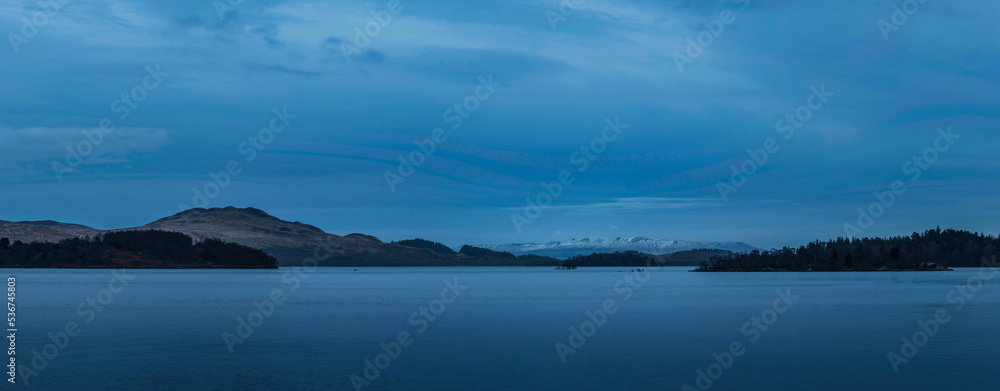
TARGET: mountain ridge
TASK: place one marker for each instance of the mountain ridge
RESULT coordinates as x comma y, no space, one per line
293,243
588,245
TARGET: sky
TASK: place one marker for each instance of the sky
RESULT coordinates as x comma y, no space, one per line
770,122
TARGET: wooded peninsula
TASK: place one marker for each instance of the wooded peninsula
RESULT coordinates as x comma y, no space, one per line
932,250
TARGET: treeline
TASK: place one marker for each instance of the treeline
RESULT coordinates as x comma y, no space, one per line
932,250
620,258
423,243
635,258
133,249
478,256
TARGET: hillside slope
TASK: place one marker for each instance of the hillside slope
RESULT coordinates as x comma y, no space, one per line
43,231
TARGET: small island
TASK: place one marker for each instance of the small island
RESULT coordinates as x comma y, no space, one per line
933,250
134,249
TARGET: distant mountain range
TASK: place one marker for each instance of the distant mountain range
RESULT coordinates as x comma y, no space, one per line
585,246
293,243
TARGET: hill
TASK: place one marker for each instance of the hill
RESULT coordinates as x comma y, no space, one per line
294,242
43,231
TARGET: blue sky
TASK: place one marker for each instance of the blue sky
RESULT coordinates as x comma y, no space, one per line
219,80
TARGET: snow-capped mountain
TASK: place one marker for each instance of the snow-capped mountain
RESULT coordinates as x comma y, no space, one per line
585,246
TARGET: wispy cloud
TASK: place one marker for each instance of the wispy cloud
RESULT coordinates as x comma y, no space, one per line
258,67
610,58
30,150
633,204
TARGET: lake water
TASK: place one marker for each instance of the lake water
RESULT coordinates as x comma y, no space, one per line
164,330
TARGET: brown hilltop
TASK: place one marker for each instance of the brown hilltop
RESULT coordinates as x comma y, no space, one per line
292,242
43,231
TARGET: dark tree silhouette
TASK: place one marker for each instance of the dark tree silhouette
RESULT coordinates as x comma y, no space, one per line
926,251
620,258
136,249
422,243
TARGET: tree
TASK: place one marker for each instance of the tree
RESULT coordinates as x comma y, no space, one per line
130,248
4,243
894,254
949,247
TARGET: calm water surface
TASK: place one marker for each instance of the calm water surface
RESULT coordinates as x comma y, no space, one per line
164,330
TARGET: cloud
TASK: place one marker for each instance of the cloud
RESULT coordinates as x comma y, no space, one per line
610,58
258,67
269,33
373,56
37,148
331,43
467,64
190,21
632,204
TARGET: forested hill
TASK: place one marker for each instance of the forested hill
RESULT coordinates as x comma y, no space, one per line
932,250
138,249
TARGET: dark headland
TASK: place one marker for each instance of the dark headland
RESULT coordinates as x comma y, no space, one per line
133,249
932,250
